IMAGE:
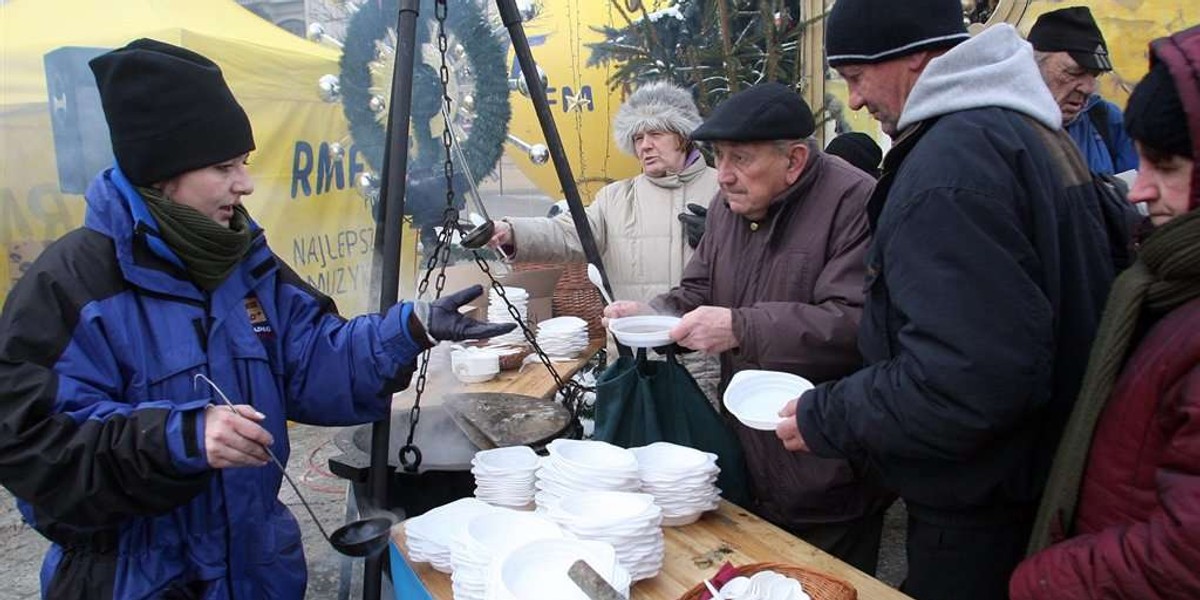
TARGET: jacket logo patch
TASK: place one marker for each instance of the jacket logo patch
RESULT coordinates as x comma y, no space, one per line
258,318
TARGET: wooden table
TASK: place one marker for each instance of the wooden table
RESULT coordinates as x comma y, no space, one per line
694,552
534,380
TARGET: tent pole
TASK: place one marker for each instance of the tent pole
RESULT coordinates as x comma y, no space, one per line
510,15
391,193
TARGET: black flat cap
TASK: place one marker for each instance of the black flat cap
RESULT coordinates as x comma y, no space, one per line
767,111
1074,31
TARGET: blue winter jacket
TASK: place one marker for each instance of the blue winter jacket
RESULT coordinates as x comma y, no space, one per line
1091,143
102,429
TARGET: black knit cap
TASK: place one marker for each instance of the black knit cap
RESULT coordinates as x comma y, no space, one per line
1074,31
873,31
169,111
1154,115
858,149
767,111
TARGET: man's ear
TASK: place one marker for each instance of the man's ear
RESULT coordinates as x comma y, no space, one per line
797,160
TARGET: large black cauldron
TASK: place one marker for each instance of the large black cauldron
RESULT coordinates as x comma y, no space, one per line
443,476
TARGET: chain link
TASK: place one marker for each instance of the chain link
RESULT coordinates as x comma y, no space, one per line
571,391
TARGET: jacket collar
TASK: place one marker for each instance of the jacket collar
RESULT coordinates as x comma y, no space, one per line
118,211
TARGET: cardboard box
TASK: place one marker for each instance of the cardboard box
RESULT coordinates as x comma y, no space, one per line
540,285
538,282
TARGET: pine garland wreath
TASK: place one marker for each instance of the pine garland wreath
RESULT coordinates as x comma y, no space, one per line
486,57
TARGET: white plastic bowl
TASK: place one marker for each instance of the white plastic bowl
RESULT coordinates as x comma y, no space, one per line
538,570
756,397
672,458
588,455
508,459
643,331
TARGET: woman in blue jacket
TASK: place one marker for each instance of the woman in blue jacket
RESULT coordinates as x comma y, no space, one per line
147,489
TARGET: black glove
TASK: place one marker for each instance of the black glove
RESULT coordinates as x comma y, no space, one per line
442,321
693,224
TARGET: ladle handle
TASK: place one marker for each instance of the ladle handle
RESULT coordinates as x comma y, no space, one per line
275,459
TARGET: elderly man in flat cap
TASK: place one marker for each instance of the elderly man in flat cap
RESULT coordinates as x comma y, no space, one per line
989,266
1071,53
777,283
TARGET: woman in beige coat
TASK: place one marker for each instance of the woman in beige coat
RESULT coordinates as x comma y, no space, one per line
641,240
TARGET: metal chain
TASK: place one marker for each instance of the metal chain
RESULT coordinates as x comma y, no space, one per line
410,455
571,391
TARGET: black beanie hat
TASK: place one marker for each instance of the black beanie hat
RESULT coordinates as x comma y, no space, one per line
858,149
1154,115
767,111
872,31
169,111
1074,31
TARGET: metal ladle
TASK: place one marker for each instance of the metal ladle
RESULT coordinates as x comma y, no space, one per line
362,537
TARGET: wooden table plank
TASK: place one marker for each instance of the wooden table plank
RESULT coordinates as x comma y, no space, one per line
534,380
693,552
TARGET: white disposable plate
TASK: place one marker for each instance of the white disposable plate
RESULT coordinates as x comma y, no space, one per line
512,458
756,397
605,508
591,455
505,529
643,331
538,570
567,324
673,458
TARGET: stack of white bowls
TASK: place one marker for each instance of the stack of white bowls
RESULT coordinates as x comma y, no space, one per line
681,479
563,336
505,476
486,538
498,313
538,570
628,521
579,465
429,536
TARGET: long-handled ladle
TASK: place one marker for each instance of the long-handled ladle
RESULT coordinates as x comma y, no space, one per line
363,537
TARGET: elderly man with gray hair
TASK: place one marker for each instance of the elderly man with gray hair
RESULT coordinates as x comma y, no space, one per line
777,284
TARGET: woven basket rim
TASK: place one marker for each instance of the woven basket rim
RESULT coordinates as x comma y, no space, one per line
831,586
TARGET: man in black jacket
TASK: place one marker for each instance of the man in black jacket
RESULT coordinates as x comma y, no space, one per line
988,270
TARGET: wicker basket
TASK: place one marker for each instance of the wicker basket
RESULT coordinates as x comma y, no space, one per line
574,295
818,586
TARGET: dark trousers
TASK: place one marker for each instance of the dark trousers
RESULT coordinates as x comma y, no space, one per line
855,542
957,561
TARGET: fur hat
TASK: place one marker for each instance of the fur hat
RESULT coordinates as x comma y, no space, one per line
656,106
874,31
169,111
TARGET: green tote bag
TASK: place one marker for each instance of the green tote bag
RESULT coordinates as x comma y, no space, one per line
641,401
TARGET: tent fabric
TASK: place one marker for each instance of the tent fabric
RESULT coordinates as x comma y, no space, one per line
325,231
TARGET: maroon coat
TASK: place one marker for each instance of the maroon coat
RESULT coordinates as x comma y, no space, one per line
1138,524
795,283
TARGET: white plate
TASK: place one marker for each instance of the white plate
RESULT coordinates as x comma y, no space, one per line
756,397
644,331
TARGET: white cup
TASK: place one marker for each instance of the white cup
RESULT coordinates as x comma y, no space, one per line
473,365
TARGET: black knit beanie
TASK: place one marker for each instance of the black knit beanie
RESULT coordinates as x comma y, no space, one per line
872,31
1154,115
169,111
858,149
